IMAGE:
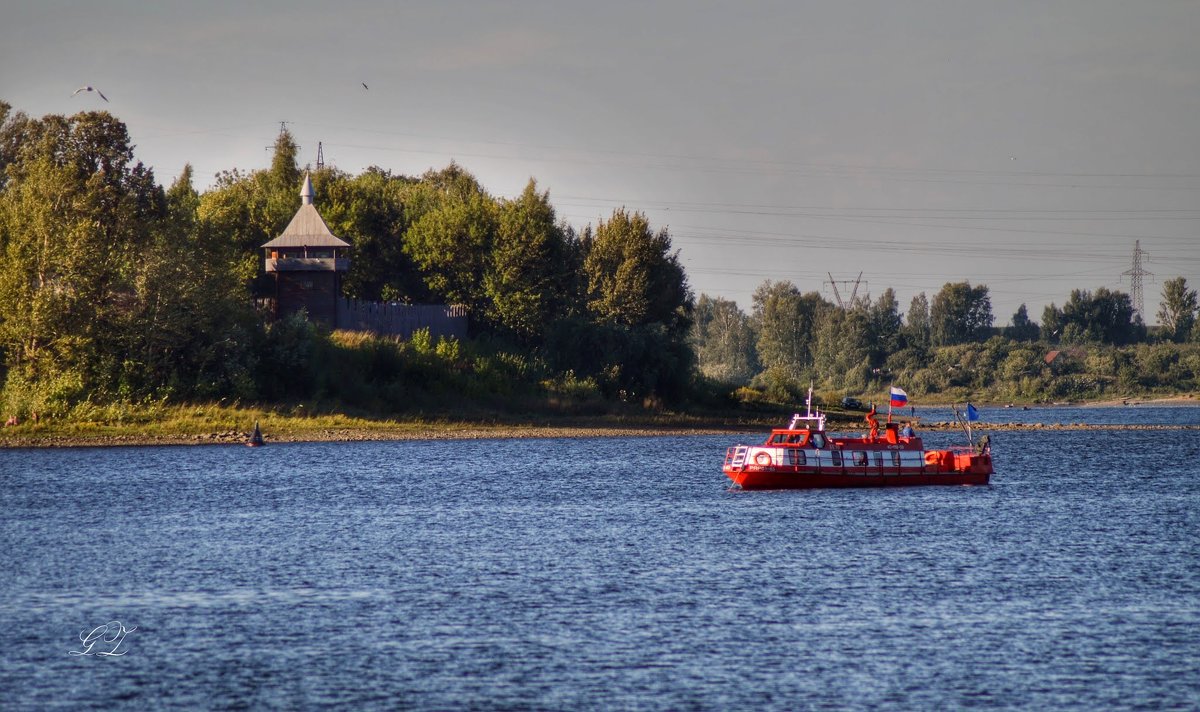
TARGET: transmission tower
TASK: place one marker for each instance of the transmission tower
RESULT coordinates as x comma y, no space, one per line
837,295
1135,274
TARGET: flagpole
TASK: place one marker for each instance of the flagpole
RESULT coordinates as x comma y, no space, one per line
890,386
962,424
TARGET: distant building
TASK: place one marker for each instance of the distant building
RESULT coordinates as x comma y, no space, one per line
307,261
1065,356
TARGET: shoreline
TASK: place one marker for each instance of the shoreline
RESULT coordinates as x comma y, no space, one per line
217,425
506,432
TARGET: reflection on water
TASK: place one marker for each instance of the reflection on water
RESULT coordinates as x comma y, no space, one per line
588,573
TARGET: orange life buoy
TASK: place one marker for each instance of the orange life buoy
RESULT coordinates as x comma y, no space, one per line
762,458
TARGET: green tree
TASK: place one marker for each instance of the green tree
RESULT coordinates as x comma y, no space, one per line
529,273
633,276
785,321
1100,317
452,240
639,311
959,314
370,212
916,327
884,327
1022,329
842,348
190,329
723,338
1052,323
76,215
1177,314
15,131
247,210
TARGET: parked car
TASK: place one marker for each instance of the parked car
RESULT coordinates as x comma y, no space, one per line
852,404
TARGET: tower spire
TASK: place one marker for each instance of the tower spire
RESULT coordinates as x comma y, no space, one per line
306,193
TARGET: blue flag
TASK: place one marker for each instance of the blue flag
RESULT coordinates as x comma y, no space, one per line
972,414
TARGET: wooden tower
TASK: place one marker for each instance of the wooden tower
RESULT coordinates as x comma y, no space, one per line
307,261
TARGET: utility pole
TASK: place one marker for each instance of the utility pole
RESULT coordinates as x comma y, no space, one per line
837,295
1135,274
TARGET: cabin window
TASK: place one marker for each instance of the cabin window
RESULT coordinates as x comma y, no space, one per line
879,459
818,440
835,458
860,458
895,458
777,439
797,457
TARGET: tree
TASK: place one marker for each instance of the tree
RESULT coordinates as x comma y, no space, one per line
1022,328
785,321
16,129
1052,323
452,240
1100,317
639,310
190,327
841,348
370,212
916,327
724,341
247,210
959,314
1178,311
884,326
529,273
633,277
76,215
108,291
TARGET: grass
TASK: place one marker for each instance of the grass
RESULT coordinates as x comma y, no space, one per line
232,422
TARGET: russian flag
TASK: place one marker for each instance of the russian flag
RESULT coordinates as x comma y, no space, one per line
899,398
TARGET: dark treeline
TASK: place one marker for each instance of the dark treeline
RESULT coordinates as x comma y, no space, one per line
114,288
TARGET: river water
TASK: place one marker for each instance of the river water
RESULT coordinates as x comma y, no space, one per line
601,573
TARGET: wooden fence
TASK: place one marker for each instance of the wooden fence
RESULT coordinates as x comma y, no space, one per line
395,319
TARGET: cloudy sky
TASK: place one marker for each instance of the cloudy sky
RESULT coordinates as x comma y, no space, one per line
1021,145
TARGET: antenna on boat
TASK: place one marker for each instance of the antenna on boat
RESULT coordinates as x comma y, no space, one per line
809,414
966,426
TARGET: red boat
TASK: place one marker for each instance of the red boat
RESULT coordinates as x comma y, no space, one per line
803,456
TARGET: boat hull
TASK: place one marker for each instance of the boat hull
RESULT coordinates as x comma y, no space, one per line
753,477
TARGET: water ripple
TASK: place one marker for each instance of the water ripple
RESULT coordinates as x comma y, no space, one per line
599,573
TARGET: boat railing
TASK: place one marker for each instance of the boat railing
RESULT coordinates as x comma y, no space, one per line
736,456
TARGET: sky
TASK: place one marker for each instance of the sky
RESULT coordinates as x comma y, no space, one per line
1025,146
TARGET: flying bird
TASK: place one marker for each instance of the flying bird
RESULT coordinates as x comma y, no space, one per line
365,86
90,88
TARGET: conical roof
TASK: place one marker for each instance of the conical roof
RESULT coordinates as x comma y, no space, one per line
307,228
